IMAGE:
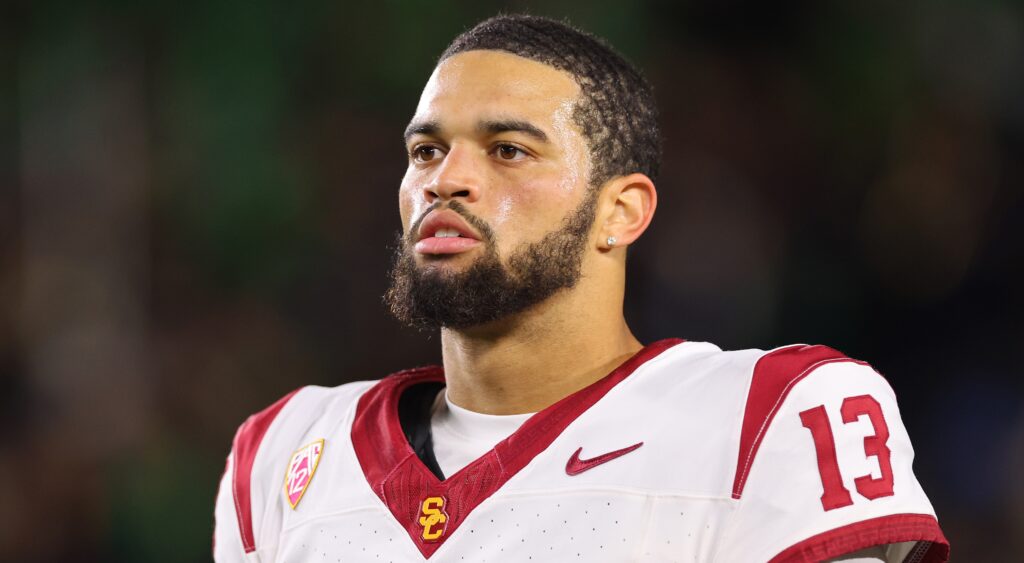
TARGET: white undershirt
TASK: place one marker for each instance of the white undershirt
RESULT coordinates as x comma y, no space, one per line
460,436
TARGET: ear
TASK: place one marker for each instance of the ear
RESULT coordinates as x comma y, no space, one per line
628,204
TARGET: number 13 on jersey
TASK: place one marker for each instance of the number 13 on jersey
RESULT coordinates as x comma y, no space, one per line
835,494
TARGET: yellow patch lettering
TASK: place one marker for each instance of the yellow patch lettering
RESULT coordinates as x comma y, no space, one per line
433,518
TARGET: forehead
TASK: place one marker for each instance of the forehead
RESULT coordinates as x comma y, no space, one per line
486,84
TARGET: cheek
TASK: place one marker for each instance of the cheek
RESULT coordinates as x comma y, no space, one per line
534,208
506,206
409,206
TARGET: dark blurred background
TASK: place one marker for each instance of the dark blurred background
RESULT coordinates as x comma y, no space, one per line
196,200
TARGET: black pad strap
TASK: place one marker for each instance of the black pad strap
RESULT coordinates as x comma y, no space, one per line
414,415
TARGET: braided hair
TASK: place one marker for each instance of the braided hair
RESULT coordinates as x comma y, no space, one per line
616,111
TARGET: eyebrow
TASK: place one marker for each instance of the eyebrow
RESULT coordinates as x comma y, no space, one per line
433,128
421,128
515,126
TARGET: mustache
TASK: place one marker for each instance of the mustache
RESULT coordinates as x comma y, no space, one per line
485,230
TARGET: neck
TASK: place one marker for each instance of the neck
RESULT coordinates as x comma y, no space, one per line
529,361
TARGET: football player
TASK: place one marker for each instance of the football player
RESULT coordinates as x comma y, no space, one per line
550,433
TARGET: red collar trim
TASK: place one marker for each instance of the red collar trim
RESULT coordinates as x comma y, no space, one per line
403,483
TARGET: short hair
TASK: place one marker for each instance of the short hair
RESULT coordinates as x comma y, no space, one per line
616,112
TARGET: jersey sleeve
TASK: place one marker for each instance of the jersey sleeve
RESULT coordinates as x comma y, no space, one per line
243,495
825,470
227,541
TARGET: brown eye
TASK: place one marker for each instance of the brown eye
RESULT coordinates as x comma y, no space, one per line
510,152
425,153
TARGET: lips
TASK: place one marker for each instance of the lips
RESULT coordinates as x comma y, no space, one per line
445,232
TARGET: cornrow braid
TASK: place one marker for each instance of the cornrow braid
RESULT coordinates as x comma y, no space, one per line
616,112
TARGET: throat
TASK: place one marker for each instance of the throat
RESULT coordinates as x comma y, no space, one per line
518,378
528,361
461,436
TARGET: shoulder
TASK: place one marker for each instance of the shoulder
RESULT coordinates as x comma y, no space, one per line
744,390
793,374
270,434
761,379
765,368
311,409
823,450
776,372
768,372
294,413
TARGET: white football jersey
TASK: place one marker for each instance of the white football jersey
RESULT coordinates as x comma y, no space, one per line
684,453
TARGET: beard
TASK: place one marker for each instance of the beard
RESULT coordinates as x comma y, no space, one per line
490,290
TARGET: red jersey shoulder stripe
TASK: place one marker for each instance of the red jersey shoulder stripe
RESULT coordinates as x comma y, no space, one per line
246,444
775,374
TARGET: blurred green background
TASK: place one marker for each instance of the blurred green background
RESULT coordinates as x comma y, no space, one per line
197,200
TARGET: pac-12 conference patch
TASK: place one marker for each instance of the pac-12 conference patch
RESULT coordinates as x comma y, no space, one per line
300,471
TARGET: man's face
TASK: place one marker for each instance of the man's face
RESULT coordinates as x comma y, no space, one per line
494,157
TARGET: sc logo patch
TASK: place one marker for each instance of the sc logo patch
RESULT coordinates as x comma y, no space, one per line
433,518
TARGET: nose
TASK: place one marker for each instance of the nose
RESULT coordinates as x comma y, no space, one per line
458,176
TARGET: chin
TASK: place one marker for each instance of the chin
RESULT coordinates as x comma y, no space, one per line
454,263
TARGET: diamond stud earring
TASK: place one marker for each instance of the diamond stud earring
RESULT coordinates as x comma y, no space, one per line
611,241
